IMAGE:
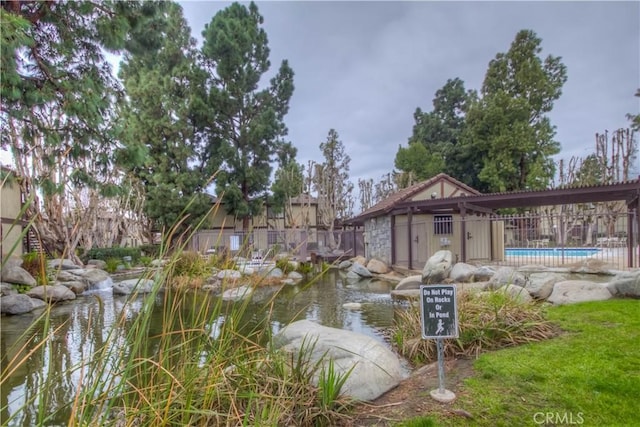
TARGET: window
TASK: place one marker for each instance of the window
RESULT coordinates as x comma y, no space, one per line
442,224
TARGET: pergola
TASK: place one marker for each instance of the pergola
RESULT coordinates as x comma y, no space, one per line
628,192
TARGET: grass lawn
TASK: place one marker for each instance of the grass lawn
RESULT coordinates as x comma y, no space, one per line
589,375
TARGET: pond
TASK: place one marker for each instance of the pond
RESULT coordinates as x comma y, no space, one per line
84,324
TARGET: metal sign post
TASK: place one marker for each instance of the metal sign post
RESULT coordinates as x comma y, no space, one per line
439,314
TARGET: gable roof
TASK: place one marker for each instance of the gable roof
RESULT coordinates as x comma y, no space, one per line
402,196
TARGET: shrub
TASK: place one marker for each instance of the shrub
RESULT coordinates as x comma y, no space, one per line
486,322
145,260
190,264
284,265
305,268
115,252
112,264
152,251
35,264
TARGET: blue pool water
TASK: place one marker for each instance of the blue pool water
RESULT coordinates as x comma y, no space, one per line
551,252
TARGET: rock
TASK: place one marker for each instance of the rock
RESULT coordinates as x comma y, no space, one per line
406,294
12,261
17,275
126,287
410,282
359,260
275,272
229,274
98,263
352,305
626,284
377,266
360,270
93,276
345,264
483,273
506,276
7,289
295,276
516,293
76,287
237,294
462,272
375,368
352,276
62,264
592,266
574,291
16,304
540,285
52,293
437,267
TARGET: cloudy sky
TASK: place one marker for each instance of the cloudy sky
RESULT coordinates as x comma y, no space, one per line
362,68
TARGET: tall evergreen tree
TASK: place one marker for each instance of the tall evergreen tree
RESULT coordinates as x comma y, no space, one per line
249,123
434,145
163,124
508,130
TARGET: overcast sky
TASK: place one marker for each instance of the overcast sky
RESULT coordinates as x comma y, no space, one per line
362,68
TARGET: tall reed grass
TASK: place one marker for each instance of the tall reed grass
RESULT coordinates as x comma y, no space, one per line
486,321
200,366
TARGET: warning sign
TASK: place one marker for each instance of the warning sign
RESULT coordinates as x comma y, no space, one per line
439,311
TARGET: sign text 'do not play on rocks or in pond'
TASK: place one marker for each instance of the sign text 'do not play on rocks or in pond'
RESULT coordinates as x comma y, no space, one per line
438,311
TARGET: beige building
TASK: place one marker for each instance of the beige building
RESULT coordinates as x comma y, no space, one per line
10,213
294,227
406,238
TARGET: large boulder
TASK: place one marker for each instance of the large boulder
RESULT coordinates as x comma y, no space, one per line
516,293
360,270
345,264
377,266
462,272
62,264
7,289
15,274
55,293
16,304
574,291
626,284
94,276
98,263
484,273
506,276
126,287
540,285
437,267
76,286
237,294
375,368
410,282
405,294
229,274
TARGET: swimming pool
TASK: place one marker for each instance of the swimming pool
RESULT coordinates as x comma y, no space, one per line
552,252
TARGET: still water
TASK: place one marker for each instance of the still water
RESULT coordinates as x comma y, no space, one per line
82,326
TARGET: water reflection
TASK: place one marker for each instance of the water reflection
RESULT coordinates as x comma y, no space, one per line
82,327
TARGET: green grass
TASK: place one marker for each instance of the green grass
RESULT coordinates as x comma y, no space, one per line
589,375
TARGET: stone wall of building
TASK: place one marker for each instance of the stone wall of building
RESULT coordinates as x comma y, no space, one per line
378,239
